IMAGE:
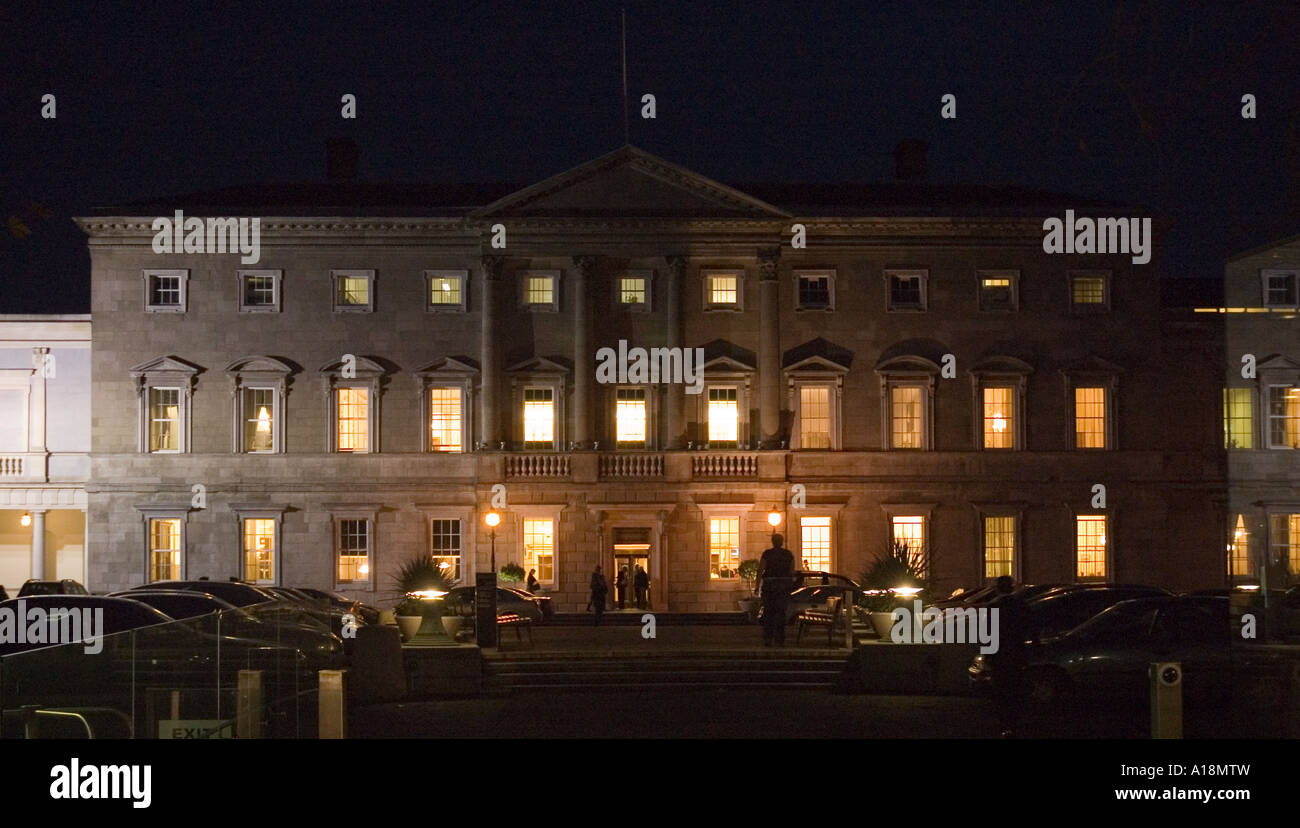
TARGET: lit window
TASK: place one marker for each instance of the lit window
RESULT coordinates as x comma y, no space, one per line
164,419
541,290
1284,534
1088,290
909,530
1238,418
815,544
999,545
724,417
444,290
444,546
1090,417
1280,288
353,550
906,416
539,418
814,417
164,549
723,290
259,419
630,417
445,419
997,290
353,413
354,291
1239,549
907,290
632,290
999,427
815,291
539,548
1090,545
165,290
724,547
259,550
259,290
1284,416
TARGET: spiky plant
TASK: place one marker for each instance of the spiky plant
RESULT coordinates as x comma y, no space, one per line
421,573
898,565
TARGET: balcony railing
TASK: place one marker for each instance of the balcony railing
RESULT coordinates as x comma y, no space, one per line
537,465
11,465
631,465
724,465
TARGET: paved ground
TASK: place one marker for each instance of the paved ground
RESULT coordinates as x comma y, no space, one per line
668,639
683,714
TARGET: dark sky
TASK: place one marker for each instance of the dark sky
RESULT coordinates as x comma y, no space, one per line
1120,100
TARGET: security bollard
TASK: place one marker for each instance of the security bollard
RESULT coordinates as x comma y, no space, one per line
333,704
1167,700
248,710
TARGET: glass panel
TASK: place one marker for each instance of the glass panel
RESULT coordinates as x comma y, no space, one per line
722,290
259,549
814,417
905,424
164,290
995,293
999,430
354,290
539,548
259,419
630,417
814,292
999,545
539,418
541,290
1239,549
444,545
905,291
444,290
724,547
910,530
632,291
1090,417
259,291
444,419
1284,416
354,550
815,543
1284,531
1090,545
1238,418
1280,289
1088,290
164,419
353,419
164,549
724,417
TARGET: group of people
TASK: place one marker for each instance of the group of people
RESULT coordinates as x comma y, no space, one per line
639,580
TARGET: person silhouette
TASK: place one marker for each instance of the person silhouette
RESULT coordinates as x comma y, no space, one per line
599,589
775,581
641,583
620,587
1008,662
533,583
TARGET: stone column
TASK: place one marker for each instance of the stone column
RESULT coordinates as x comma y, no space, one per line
583,359
36,429
489,371
38,544
769,348
675,397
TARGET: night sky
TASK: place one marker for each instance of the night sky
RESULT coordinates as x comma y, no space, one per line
1119,100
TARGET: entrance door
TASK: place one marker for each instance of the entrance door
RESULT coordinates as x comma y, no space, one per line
626,562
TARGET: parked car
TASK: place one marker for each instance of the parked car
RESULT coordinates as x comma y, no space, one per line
1107,658
542,601
236,592
323,648
460,600
809,577
1060,609
66,586
335,599
118,615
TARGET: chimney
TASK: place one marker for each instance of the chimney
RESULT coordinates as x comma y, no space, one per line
342,158
909,159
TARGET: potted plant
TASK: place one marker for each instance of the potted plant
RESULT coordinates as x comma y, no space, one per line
511,573
419,580
748,570
899,567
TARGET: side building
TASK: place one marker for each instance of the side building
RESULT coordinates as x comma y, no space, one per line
44,446
922,371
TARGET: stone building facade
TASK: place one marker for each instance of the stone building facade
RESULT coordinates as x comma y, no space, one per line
921,370
1261,404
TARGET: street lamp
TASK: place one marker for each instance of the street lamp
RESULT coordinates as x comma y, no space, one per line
492,519
485,590
774,519
26,519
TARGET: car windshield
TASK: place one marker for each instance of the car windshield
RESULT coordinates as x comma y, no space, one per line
1128,619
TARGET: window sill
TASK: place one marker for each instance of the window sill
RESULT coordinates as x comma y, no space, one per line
163,309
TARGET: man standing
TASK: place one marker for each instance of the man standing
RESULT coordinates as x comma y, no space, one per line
775,580
641,583
599,589
1008,663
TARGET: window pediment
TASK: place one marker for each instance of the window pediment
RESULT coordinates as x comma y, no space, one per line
817,356
165,367
723,356
366,368
449,368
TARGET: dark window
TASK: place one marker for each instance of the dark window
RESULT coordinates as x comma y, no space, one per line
814,292
904,292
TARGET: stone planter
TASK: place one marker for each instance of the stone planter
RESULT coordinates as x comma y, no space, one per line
883,623
749,606
409,625
452,624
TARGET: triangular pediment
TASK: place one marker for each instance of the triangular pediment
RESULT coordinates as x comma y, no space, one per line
721,355
538,365
459,366
365,367
1091,365
1277,362
630,183
818,355
164,365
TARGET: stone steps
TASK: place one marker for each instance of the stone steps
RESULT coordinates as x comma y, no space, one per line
760,669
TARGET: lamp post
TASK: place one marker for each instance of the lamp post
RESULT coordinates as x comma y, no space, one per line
485,590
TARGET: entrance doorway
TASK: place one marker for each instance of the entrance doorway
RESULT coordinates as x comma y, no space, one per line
631,550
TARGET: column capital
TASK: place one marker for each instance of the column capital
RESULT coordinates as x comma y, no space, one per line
492,265
676,264
586,265
768,258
